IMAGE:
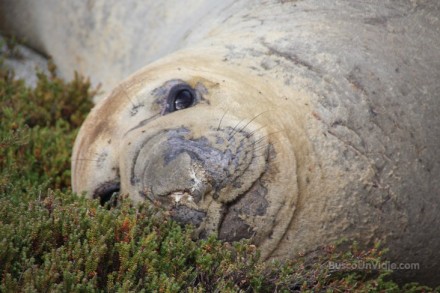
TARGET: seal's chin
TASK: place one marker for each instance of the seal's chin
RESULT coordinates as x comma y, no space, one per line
205,180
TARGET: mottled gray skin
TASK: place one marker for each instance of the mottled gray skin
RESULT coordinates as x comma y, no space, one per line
335,105
104,39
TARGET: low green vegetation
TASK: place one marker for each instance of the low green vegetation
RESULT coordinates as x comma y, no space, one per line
54,241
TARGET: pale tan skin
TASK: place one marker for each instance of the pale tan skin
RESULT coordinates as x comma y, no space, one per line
335,103
230,101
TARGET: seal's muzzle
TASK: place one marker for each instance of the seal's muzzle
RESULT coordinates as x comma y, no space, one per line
192,175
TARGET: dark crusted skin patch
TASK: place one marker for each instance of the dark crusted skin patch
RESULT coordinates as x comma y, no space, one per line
101,160
135,109
234,228
253,203
185,215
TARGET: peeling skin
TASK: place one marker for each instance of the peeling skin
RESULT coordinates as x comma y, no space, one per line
197,182
177,196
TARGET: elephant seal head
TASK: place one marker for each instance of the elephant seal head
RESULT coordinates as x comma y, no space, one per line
208,145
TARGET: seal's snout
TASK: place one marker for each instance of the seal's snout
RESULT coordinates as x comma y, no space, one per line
177,161
191,173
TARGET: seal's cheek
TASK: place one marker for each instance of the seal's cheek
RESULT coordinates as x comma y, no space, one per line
95,167
239,222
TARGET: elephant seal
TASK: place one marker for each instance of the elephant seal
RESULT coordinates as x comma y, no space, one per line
291,123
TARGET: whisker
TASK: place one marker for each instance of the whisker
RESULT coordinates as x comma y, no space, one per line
221,120
87,159
250,134
250,121
233,130
265,136
259,148
265,155
90,160
123,89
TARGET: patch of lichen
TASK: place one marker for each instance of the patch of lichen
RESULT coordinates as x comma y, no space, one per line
52,240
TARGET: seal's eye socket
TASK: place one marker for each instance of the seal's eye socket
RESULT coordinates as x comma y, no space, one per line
180,97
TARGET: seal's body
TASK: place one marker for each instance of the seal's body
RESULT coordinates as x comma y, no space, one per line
105,40
293,123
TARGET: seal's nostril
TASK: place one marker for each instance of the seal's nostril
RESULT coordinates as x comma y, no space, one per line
106,190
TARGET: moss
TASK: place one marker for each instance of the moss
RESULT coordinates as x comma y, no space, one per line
52,240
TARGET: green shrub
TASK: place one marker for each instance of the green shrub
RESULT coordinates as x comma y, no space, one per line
38,128
52,240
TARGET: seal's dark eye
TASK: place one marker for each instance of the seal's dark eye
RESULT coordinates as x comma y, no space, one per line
180,97
184,99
